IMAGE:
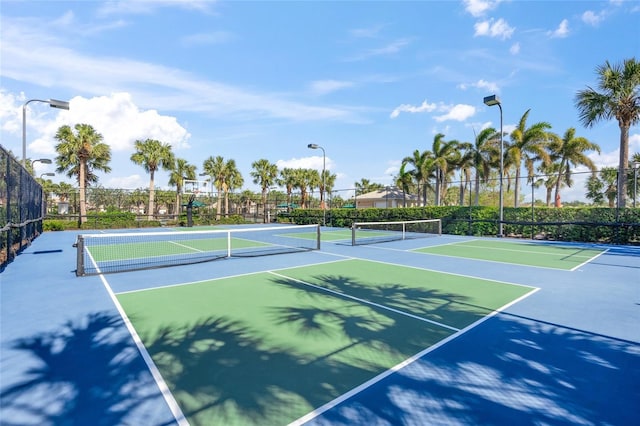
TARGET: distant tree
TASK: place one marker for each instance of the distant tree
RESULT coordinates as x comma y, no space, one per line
152,155
527,146
287,179
602,186
617,96
570,151
484,149
422,166
264,174
404,181
79,154
180,171
365,185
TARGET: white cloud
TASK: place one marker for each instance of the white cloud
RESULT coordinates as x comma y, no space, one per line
592,18
215,37
127,182
389,49
425,107
495,29
562,30
25,47
323,87
458,112
481,84
514,49
313,162
136,7
479,7
116,118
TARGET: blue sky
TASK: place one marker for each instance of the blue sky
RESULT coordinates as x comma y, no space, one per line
370,81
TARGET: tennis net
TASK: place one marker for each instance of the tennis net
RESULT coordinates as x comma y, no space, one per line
376,232
118,252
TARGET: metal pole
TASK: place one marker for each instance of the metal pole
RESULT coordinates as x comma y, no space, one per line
53,103
635,183
501,207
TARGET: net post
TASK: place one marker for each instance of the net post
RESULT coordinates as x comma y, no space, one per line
439,226
80,256
318,237
353,234
229,244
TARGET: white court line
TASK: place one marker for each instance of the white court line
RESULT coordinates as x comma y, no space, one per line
187,247
504,249
178,415
589,260
366,302
331,404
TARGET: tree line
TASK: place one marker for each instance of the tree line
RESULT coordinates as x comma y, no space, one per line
532,148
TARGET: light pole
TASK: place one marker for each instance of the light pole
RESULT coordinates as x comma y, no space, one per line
491,101
636,164
324,156
53,103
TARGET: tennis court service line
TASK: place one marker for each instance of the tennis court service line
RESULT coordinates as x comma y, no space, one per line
366,302
187,247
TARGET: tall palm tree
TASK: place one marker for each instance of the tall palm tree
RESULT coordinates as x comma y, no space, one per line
264,174
234,180
617,96
443,158
217,169
404,181
152,155
328,181
79,154
570,152
528,145
422,165
485,147
180,171
287,179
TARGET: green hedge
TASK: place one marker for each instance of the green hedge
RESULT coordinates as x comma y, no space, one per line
583,224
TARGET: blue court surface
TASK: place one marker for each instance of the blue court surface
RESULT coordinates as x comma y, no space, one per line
427,337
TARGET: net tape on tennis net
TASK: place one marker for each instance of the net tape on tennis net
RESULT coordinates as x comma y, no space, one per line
119,252
376,232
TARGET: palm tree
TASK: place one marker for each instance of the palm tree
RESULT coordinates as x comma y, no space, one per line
442,157
618,97
404,181
570,152
234,181
602,186
365,185
288,180
79,154
224,175
264,174
328,181
180,171
485,148
527,145
152,155
422,165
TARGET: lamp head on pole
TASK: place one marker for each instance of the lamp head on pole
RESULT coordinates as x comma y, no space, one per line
313,146
491,100
54,103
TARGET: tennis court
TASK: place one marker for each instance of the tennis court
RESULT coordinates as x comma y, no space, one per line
413,331
559,256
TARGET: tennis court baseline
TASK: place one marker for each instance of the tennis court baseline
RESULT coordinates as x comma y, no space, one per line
557,256
270,347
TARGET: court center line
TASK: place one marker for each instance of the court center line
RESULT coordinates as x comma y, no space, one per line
187,247
366,302
589,260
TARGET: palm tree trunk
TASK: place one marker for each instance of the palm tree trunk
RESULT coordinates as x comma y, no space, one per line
152,195
624,160
83,190
517,188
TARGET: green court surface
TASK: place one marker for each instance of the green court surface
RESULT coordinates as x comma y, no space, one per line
148,249
519,253
270,347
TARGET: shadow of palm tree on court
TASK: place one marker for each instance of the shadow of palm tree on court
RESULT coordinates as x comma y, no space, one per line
509,370
223,372
84,373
